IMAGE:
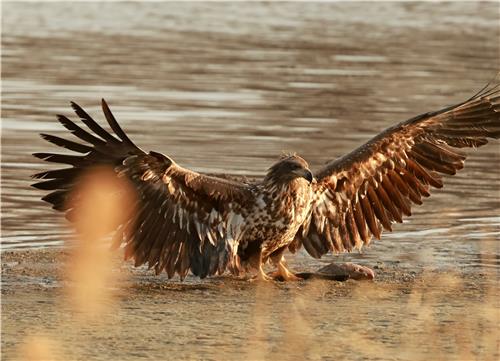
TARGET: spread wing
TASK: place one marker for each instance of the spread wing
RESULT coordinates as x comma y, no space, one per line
183,220
362,193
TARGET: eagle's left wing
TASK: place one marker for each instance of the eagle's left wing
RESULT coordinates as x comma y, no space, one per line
183,220
365,191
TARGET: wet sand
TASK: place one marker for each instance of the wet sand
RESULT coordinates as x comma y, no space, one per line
402,315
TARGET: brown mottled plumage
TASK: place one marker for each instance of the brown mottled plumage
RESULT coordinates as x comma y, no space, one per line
187,221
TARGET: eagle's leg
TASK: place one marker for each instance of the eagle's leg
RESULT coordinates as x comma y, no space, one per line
261,275
283,272
256,261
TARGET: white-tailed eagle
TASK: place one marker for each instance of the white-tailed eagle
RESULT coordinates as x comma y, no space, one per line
188,221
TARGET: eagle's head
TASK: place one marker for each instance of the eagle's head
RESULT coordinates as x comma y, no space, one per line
289,168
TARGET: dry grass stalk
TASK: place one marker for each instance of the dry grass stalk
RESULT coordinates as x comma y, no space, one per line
102,201
39,348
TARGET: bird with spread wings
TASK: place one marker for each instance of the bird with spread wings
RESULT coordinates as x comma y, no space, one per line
189,221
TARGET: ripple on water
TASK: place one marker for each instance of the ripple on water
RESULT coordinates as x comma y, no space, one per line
319,79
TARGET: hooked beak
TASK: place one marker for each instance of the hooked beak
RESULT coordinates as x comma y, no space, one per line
306,174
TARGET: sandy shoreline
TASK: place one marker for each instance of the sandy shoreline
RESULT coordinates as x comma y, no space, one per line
225,318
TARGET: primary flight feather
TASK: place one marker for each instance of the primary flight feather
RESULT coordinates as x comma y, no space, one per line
188,221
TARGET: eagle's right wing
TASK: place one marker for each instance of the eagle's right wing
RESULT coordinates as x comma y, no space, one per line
367,190
183,220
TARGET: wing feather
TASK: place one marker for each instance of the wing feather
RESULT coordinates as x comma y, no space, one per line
92,124
361,223
68,144
187,220
374,186
397,195
114,124
183,221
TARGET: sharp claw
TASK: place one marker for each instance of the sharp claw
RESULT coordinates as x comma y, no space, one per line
261,276
283,274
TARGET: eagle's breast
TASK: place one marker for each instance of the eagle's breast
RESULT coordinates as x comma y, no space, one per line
277,214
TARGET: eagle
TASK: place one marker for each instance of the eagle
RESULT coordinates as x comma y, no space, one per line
186,221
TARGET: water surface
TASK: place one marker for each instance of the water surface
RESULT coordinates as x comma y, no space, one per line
231,90
227,87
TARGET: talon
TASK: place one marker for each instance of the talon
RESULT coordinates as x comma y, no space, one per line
285,274
274,274
261,276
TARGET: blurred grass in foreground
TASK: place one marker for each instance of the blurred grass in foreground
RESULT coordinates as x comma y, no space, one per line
100,202
431,318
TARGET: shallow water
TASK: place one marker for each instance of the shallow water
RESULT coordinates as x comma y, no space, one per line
226,87
232,90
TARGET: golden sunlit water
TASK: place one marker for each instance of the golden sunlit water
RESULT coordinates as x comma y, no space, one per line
227,87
